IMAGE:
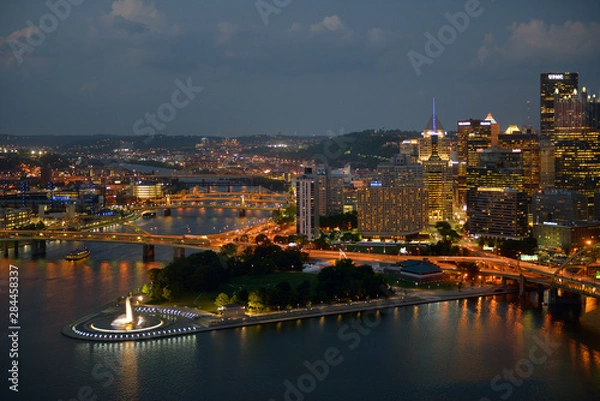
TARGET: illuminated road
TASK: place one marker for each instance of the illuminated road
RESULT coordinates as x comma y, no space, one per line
492,265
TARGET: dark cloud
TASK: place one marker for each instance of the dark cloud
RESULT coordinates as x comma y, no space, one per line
312,68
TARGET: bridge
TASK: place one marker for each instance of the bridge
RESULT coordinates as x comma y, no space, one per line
244,200
580,274
147,240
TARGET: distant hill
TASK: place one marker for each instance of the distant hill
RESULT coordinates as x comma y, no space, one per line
363,149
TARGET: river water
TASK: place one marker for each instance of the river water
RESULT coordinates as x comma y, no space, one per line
495,348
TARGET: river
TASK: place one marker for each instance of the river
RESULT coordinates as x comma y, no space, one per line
496,348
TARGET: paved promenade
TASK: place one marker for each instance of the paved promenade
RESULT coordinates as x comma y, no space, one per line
185,321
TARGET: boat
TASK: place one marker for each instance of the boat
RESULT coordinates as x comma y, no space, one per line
78,254
149,215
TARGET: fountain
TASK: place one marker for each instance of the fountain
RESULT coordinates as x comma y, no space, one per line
126,323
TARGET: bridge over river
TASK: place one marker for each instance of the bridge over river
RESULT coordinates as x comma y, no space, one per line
147,240
580,274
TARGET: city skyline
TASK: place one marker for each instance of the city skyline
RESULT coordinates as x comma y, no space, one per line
225,70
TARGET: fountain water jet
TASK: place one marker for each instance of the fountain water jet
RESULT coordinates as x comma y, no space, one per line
125,321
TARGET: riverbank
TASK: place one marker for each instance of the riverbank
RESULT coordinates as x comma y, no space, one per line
184,321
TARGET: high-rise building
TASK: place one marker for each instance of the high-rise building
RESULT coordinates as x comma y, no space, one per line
497,168
547,167
473,136
307,221
494,129
391,212
576,144
559,206
434,155
402,170
318,193
434,140
498,213
528,144
551,84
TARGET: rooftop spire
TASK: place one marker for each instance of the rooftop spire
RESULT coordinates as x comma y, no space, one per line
434,118
434,126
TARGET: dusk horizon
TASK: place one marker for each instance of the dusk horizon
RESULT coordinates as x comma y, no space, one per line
259,68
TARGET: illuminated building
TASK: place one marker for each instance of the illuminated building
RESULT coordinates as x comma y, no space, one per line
551,84
576,140
147,191
547,167
529,146
318,193
307,221
497,168
494,129
395,205
559,206
391,212
329,190
402,170
498,213
434,153
434,140
566,236
473,135
12,219
409,150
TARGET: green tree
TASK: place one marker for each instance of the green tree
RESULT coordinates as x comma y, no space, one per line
303,292
255,301
446,232
242,295
229,250
221,300
168,294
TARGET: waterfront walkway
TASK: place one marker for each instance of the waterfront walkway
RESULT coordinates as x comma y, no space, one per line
184,321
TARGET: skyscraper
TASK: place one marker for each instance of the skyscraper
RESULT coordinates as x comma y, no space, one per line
473,135
529,145
307,221
551,84
559,206
576,142
318,193
434,154
391,212
498,213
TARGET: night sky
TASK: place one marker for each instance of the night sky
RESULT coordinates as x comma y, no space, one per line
283,66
